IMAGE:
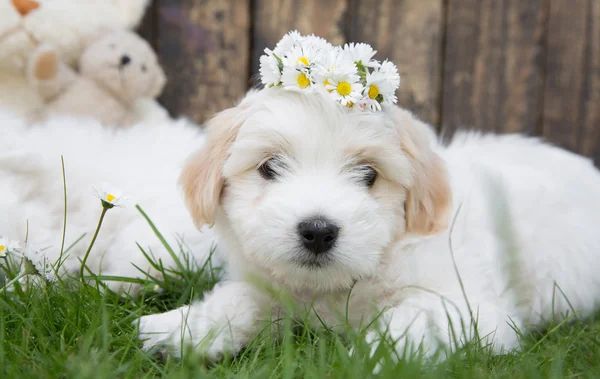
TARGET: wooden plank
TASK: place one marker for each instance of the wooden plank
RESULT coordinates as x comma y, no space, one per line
572,91
408,32
493,65
204,48
148,27
274,18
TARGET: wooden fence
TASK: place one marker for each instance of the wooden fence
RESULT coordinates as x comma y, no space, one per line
528,66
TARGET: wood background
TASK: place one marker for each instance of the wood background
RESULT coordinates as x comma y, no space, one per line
529,66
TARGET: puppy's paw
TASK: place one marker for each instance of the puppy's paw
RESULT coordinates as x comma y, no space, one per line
186,328
160,332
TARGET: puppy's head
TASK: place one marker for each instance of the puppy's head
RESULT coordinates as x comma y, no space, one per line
311,194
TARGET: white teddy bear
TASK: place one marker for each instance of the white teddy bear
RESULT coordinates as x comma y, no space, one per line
65,24
116,68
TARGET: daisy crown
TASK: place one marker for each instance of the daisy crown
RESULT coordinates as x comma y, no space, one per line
349,73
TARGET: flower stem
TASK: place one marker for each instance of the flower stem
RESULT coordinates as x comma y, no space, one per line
13,281
87,253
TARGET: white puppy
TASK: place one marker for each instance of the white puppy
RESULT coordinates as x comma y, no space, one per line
319,201
143,161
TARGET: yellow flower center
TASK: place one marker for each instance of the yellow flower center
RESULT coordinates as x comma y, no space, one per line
302,60
110,197
303,81
344,88
2,247
373,91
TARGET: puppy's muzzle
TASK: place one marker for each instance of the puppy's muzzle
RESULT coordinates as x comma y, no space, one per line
318,234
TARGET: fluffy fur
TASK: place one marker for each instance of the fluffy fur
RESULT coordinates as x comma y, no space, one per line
144,161
517,216
116,68
65,24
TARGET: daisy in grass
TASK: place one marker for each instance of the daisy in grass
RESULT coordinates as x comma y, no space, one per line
345,89
270,70
7,246
110,196
361,54
36,262
33,262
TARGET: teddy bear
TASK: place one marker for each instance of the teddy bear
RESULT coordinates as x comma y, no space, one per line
115,69
65,24
24,24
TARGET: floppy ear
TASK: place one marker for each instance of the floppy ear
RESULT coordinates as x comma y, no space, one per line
429,199
202,179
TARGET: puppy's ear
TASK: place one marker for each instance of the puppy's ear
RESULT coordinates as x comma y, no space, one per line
202,179
429,199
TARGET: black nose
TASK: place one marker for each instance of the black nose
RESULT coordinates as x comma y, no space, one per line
318,234
125,60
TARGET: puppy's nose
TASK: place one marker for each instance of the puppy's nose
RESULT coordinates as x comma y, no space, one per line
318,234
125,60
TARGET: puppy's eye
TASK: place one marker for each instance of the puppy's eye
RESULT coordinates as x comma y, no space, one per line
268,169
144,68
370,176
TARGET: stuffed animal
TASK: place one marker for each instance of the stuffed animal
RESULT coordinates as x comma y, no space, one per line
24,24
115,70
65,24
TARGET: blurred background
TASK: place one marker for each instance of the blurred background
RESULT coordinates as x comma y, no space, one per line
530,66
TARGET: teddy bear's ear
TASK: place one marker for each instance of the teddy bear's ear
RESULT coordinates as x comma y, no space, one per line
158,83
25,6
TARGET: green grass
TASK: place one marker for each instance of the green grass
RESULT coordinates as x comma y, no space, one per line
66,329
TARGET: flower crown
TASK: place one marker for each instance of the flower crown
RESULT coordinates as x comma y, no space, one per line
350,74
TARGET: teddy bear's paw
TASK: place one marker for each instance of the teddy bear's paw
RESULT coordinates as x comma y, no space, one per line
45,62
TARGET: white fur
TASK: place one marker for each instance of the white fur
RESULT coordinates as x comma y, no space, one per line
143,161
526,215
64,24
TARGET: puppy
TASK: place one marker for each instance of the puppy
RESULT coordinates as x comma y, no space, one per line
368,212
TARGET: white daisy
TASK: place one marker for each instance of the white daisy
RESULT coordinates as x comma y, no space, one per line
7,246
345,89
287,42
36,262
110,196
303,56
333,64
361,53
295,79
270,72
379,88
367,103
390,71
318,42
